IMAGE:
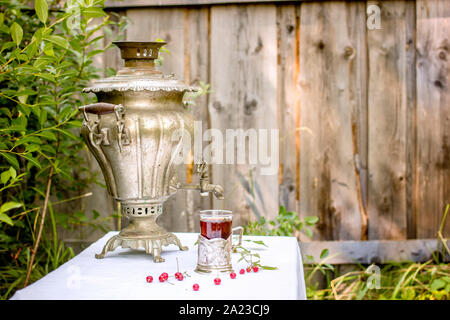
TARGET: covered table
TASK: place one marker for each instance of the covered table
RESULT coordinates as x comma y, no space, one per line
122,274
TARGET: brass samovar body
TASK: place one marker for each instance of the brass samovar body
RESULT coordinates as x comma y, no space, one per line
130,132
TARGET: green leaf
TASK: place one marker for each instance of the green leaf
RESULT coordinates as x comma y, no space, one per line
7,45
437,284
93,53
311,220
309,257
39,191
75,123
11,160
324,253
268,268
48,149
13,172
47,76
59,41
31,49
329,266
93,12
6,219
9,205
32,160
29,139
4,177
41,8
260,242
32,148
96,214
308,232
47,134
48,49
16,33
67,133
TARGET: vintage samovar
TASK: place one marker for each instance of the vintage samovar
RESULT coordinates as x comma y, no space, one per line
130,133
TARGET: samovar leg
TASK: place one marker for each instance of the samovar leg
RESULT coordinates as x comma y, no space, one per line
156,252
174,240
109,246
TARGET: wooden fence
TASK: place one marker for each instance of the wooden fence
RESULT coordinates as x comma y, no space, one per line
363,114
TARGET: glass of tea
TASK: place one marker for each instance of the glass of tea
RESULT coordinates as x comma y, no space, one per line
215,242
216,223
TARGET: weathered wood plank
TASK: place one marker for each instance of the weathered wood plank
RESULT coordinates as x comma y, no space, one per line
187,3
196,71
389,83
243,80
166,24
432,190
372,251
332,73
112,58
288,102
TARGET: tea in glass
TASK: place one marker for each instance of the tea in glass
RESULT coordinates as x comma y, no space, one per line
216,224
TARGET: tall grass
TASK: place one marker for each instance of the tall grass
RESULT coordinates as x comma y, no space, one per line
429,280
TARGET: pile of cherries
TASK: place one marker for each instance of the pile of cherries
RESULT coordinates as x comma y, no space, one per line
179,276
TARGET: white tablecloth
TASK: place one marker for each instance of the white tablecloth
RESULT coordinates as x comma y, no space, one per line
122,274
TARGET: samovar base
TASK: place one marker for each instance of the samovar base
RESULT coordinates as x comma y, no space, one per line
152,245
142,232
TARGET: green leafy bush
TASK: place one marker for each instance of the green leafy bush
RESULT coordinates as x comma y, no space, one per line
287,223
46,58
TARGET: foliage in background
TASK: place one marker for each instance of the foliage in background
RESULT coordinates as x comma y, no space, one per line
287,223
46,58
398,280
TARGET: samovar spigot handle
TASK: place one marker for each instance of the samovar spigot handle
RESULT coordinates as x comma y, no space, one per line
204,186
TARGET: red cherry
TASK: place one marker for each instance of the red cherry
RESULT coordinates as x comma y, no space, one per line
255,269
178,274
232,275
165,275
149,279
195,287
162,278
217,281
242,271
180,277
248,269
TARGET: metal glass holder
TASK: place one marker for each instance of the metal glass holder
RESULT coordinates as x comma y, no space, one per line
214,255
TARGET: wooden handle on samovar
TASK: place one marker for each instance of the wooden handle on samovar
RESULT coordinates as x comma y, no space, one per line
101,108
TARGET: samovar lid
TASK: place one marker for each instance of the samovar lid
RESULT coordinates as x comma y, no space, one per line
139,73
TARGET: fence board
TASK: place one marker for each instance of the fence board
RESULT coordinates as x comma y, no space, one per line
373,251
243,80
389,79
288,103
433,115
197,63
330,56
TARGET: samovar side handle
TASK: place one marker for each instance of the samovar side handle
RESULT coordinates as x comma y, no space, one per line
101,108
94,136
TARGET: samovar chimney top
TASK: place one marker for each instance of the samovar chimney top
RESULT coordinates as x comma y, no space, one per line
139,54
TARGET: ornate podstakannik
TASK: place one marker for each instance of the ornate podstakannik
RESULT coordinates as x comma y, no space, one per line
130,133
214,255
